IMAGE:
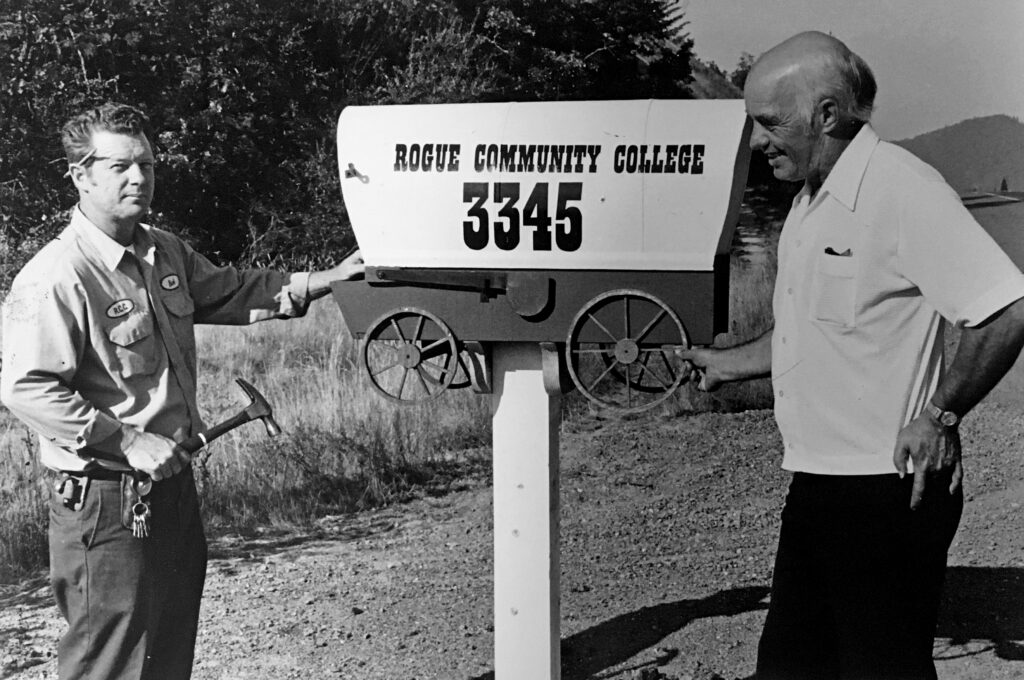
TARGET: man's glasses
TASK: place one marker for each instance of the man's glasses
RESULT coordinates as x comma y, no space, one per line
82,161
87,158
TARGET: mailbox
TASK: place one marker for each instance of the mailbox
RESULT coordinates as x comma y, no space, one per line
601,227
525,248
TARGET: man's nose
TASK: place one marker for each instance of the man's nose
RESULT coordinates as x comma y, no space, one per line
136,175
758,137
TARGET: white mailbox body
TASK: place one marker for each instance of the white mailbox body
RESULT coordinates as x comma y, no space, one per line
556,199
646,185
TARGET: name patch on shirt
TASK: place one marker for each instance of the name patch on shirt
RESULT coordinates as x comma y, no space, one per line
120,308
170,282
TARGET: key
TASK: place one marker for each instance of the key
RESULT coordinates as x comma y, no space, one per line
140,519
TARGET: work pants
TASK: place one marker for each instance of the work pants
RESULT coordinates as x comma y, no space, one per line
132,604
857,581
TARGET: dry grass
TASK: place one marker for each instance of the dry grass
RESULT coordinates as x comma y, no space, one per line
344,446
23,495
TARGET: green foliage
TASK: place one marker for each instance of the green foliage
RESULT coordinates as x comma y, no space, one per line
244,95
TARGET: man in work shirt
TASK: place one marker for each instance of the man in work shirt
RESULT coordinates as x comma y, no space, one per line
876,251
99,358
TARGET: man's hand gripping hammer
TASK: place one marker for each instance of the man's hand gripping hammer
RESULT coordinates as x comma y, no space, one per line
258,408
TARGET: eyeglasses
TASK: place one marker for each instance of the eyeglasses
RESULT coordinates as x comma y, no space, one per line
82,161
87,158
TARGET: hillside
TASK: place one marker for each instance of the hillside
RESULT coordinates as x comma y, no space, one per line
975,154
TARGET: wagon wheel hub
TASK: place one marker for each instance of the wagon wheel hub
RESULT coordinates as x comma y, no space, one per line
626,351
409,355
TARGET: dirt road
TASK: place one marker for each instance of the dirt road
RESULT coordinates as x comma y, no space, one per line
668,535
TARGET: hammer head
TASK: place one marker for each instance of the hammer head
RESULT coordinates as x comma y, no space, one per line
259,408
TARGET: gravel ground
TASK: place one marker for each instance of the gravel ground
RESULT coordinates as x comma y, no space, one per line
668,536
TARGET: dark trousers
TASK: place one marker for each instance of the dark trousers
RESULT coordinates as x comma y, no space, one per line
132,605
857,580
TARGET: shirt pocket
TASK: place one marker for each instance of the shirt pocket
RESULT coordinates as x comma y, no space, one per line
834,290
179,305
180,309
134,345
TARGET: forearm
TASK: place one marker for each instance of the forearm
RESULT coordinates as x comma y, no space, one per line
320,284
983,357
747,361
714,366
55,411
350,267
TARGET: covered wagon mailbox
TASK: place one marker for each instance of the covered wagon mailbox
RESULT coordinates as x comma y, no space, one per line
526,248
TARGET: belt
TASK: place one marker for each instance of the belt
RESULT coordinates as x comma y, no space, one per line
96,473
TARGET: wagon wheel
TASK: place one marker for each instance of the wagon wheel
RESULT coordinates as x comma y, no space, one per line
410,355
612,358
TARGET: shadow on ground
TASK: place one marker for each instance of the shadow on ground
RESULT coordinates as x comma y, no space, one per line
616,640
983,605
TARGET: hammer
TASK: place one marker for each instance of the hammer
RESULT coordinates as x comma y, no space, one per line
259,408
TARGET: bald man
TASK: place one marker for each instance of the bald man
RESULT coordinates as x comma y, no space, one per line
876,256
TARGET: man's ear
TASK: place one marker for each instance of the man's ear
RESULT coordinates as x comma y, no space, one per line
827,113
79,176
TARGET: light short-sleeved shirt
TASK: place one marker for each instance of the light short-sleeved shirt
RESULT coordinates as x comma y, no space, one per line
96,335
869,268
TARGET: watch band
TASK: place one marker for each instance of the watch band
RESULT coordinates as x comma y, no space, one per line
943,417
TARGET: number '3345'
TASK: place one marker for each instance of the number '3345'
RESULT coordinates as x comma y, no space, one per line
511,220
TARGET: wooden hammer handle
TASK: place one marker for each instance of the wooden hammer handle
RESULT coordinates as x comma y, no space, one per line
198,441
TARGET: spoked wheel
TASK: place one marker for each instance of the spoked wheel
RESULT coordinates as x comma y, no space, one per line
621,350
410,355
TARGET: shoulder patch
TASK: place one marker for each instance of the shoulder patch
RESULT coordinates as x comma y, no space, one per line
170,282
120,308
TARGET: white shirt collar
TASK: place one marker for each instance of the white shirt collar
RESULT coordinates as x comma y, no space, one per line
110,251
843,182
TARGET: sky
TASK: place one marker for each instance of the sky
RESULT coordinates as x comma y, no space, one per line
937,62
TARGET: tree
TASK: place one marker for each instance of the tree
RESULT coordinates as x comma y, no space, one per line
586,49
739,75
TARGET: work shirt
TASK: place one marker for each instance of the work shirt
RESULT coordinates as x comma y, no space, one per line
97,335
869,270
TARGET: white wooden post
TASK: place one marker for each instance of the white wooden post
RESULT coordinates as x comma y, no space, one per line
526,514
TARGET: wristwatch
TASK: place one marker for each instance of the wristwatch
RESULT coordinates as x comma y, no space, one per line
944,418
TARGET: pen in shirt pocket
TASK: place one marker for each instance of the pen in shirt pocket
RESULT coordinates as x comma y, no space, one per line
829,250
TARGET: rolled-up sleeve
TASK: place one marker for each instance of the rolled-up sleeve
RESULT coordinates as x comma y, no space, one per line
43,342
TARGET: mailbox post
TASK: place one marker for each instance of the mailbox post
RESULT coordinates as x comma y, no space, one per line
526,515
526,249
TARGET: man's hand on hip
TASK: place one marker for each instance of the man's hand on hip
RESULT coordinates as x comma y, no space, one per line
158,456
935,452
